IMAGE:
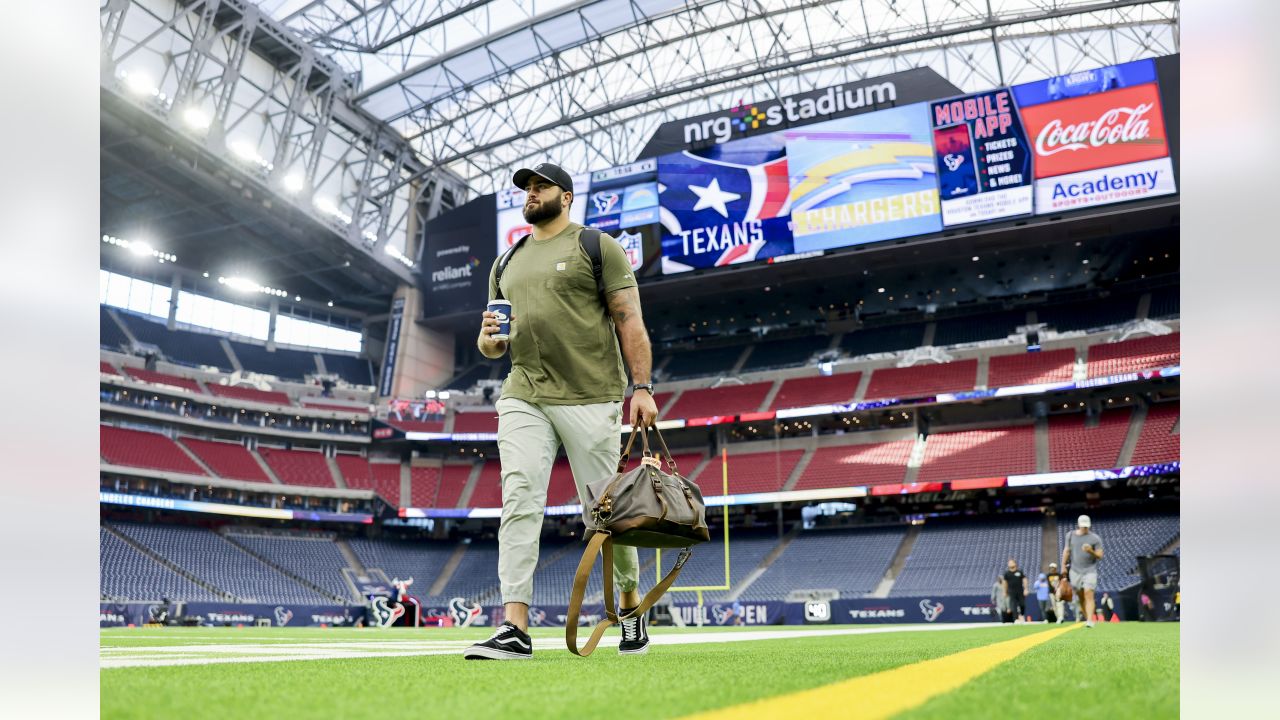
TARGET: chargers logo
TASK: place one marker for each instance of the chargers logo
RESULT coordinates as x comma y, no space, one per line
465,614
605,201
283,616
930,609
384,615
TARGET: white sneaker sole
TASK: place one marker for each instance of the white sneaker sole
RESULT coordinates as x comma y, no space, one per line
479,652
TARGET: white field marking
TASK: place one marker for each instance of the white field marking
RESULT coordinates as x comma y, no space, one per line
157,656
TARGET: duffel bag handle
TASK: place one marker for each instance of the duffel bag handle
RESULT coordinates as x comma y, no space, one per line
604,541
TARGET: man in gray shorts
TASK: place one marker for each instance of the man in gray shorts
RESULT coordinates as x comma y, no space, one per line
1080,557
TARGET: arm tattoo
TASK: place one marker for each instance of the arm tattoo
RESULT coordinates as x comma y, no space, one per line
624,308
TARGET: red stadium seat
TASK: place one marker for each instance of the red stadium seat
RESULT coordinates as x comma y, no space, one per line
979,453
725,400
158,378
488,490
432,426
237,392
229,460
476,422
1158,442
1072,446
857,465
1147,353
749,472
107,368
821,390
138,448
424,484
298,467
452,481
922,380
1031,368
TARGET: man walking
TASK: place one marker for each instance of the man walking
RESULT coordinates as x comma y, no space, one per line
1015,587
565,387
1080,557
1059,607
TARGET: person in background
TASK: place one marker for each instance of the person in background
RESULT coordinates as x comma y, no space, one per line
1042,598
738,611
1059,607
1015,589
1000,601
1107,606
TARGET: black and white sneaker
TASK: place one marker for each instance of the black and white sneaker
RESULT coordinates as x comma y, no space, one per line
635,635
508,642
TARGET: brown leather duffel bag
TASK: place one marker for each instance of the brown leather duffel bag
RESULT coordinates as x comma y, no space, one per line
645,507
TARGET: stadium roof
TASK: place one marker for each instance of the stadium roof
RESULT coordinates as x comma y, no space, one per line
482,86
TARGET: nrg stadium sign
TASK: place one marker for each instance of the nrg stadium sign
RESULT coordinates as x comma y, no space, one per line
746,118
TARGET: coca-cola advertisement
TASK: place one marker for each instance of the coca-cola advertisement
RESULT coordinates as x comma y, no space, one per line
1097,137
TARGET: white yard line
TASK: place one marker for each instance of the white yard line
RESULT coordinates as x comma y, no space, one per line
157,656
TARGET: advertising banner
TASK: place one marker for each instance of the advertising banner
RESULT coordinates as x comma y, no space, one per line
458,256
214,613
863,179
392,350
125,614
724,205
511,223
1098,137
984,163
972,609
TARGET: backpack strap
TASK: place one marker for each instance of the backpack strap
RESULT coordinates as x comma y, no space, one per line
589,239
502,265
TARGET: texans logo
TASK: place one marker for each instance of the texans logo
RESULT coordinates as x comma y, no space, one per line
157,613
953,161
537,616
930,609
720,614
465,614
384,615
283,616
605,201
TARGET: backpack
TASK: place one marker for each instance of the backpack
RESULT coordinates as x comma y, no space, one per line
589,239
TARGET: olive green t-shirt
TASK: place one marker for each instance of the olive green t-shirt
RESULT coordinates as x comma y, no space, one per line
563,347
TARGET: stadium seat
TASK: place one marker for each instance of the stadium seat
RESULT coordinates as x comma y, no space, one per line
724,400
110,335
239,392
424,484
298,467
1031,368
749,472
977,328
964,557
702,362
452,481
421,560
821,390
850,561
1164,303
788,352
1158,442
126,574
138,448
409,425
856,465
210,557
314,559
485,421
158,378
922,380
229,460
488,489
1145,353
1074,446
185,347
870,341
979,453
354,370
1090,314
1125,537
107,368
284,364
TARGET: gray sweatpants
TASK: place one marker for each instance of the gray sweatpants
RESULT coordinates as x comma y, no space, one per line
528,438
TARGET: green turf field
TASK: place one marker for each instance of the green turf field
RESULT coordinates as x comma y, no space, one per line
1129,668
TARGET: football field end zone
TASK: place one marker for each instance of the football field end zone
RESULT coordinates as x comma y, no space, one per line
890,692
119,657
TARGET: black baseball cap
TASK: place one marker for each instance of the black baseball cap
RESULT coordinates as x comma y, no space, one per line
552,173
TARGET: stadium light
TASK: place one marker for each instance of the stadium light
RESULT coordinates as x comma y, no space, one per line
139,83
195,119
246,285
394,252
293,182
430,394
140,248
444,395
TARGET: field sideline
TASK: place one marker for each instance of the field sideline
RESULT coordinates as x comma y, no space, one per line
230,673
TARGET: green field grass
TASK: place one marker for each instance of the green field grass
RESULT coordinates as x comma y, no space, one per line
1111,668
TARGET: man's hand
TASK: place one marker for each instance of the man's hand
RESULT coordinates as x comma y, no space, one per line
489,326
644,411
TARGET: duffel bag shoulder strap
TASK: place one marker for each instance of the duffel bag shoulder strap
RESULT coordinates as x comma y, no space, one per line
603,541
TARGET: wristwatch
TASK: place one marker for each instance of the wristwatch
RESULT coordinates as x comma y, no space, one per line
642,386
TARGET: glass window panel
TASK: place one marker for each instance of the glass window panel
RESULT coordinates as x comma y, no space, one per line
160,301
104,279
